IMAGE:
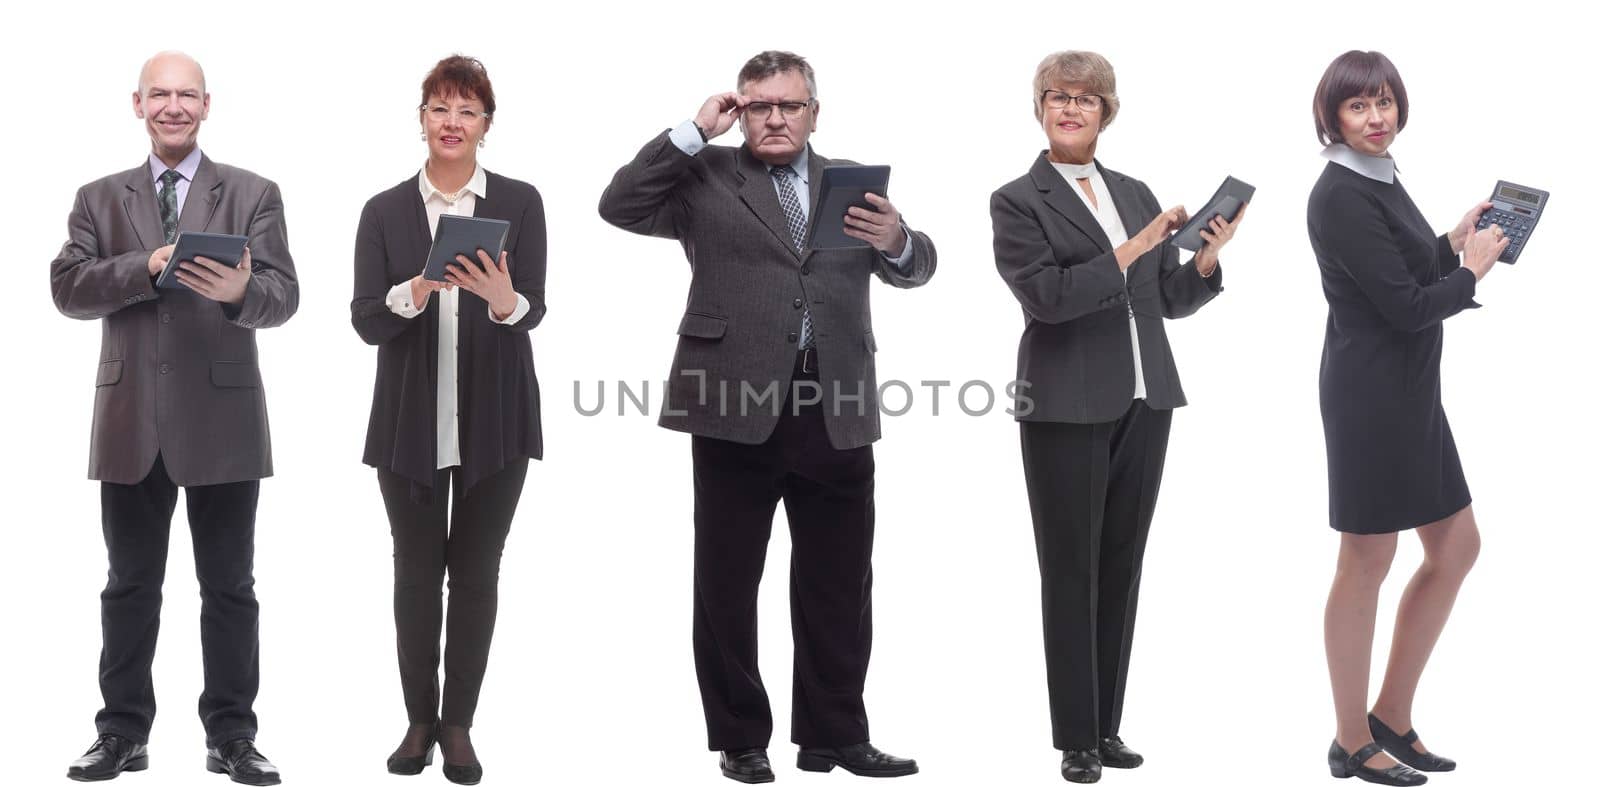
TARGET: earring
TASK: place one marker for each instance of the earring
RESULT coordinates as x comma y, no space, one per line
481,142
424,136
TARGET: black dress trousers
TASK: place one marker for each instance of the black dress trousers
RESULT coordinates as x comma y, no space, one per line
827,494
460,532
137,521
1092,489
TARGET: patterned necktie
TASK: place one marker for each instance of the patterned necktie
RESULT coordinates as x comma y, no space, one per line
790,201
169,204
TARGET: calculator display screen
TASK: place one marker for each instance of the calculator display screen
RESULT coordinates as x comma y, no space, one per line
1519,195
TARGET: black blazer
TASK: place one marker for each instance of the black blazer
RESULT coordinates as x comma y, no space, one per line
499,393
1075,360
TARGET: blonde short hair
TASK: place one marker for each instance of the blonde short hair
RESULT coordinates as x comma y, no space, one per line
1088,68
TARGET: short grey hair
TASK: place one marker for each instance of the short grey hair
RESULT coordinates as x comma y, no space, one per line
772,63
1088,68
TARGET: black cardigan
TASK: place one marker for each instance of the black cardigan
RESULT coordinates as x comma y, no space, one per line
498,390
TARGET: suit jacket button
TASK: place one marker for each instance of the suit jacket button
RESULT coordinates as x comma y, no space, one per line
805,270
165,368
166,318
798,303
793,337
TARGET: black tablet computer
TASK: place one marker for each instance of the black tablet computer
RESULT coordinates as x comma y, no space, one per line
464,235
844,186
226,249
1226,203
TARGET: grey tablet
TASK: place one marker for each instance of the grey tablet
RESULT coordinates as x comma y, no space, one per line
464,235
226,249
843,186
1226,203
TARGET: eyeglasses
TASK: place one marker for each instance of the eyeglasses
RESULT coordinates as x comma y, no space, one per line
761,110
1087,102
465,117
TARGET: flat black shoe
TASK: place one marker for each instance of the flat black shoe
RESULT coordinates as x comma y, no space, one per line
1343,765
1116,754
463,774
109,756
239,759
411,766
750,766
1399,747
1082,767
861,759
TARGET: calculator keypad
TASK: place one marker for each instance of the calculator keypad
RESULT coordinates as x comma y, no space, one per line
1515,227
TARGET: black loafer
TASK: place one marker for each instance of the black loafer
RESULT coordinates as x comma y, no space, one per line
239,759
1399,747
750,766
1116,754
109,756
1082,767
411,766
1344,765
861,759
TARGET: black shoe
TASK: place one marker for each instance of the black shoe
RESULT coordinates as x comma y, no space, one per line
463,774
750,766
1399,747
1116,754
861,759
411,766
109,756
1344,765
1082,767
239,759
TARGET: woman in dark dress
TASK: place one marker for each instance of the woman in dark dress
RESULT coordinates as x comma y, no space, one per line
455,409
1392,463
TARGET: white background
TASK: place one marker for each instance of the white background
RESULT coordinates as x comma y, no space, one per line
591,678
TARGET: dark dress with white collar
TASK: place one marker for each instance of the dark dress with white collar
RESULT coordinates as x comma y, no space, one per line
1390,283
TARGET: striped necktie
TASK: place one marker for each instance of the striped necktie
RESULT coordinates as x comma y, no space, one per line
796,217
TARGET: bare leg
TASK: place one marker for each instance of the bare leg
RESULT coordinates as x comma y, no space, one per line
1450,546
1348,624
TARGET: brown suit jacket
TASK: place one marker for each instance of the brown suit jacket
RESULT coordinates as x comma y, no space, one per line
178,374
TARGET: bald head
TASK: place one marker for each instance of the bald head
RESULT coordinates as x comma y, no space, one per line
172,101
171,64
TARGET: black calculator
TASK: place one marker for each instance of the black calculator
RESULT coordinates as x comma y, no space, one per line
1516,209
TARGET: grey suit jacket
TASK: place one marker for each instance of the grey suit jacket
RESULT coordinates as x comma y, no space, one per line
178,373
1076,357
739,332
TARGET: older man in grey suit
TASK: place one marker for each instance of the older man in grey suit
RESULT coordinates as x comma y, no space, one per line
774,378
178,403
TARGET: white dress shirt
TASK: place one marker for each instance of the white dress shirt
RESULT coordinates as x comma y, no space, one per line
1111,222
448,420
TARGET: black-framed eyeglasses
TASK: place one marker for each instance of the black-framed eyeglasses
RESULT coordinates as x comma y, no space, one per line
761,110
1087,102
466,117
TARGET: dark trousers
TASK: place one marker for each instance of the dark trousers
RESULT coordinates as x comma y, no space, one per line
1092,489
461,532
137,522
827,494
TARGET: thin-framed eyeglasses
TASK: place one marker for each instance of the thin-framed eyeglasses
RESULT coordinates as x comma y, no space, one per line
1087,102
465,117
761,110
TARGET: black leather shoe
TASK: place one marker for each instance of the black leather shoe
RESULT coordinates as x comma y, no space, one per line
239,759
750,766
1399,747
109,756
411,766
861,759
463,774
1082,767
1116,754
1344,765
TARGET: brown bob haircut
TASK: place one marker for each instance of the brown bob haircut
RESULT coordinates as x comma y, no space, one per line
1355,73
459,75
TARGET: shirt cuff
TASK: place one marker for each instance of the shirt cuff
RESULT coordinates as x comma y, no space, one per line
687,137
516,314
399,300
904,260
